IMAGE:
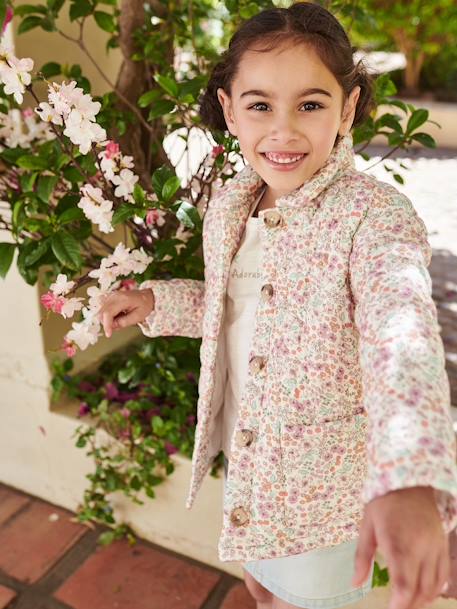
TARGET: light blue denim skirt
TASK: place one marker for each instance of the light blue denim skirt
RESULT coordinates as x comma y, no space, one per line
317,579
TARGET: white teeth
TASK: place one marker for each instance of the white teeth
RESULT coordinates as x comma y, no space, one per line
282,159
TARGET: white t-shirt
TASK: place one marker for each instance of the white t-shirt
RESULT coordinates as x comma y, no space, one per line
243,292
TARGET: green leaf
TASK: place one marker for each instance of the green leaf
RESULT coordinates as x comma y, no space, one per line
399,104
80,8
417,118
160,177
398,178
71,215
149,97
123,213
55,5
41,248
45,187
6,257
11,155
138,195
105,21
29,23
29,161
73,175
389,120
169,85
27,180
2,10
51,69
66,250
425,139
170,187
188,215
160,108
27,9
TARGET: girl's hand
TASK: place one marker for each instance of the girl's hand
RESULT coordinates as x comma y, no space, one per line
406,526
125,308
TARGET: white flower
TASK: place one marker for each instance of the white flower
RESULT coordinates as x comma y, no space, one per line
140,260
14,74
48,114
96,209
105,276
86,332
63,96
83,132
183,235
70,306
126,181
108,166
87,107
61,286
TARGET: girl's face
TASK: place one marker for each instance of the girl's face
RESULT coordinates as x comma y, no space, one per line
273,109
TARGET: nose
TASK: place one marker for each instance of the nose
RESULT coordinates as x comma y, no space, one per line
283,128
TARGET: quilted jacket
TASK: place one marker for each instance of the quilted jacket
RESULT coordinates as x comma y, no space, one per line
347,396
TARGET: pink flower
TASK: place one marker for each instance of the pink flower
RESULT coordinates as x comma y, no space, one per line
27,113
69,348
52,302
128,284
8,17
155,216
125,412
217,150
111,149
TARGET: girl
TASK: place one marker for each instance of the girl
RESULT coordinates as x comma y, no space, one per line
322,369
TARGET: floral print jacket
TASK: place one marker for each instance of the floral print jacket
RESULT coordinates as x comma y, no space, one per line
347,396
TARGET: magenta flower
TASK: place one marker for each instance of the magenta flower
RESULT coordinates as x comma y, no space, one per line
217,150
8,17
112,392
83,409
170,448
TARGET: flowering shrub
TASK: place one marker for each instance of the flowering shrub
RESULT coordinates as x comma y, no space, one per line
145,397
74,168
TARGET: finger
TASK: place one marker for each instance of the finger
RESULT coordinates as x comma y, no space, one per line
443,569
112,310
365,552
425,591
404,572
127,319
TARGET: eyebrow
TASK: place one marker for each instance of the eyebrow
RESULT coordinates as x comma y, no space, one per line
302,94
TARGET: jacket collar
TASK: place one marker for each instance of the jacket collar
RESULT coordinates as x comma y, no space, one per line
246,185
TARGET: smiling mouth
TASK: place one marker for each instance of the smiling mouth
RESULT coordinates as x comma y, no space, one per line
284,163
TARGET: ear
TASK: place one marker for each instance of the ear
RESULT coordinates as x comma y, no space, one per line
226,104
349,111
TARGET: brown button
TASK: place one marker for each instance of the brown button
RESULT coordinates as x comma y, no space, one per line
272,218
244,437
239,516
267,291
256,364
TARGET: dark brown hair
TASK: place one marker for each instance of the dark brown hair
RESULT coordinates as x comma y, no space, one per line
303,22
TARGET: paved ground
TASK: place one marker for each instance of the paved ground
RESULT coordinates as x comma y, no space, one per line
47,561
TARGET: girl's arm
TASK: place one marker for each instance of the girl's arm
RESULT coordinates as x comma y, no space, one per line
178,308
406,388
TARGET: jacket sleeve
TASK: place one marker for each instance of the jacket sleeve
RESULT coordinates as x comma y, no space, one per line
178,310
406,392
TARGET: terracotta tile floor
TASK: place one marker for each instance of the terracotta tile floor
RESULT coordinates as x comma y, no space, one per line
49,562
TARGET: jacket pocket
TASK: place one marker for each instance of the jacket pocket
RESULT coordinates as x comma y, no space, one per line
324,467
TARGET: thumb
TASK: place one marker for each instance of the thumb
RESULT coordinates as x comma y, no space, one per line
365,552
129,318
